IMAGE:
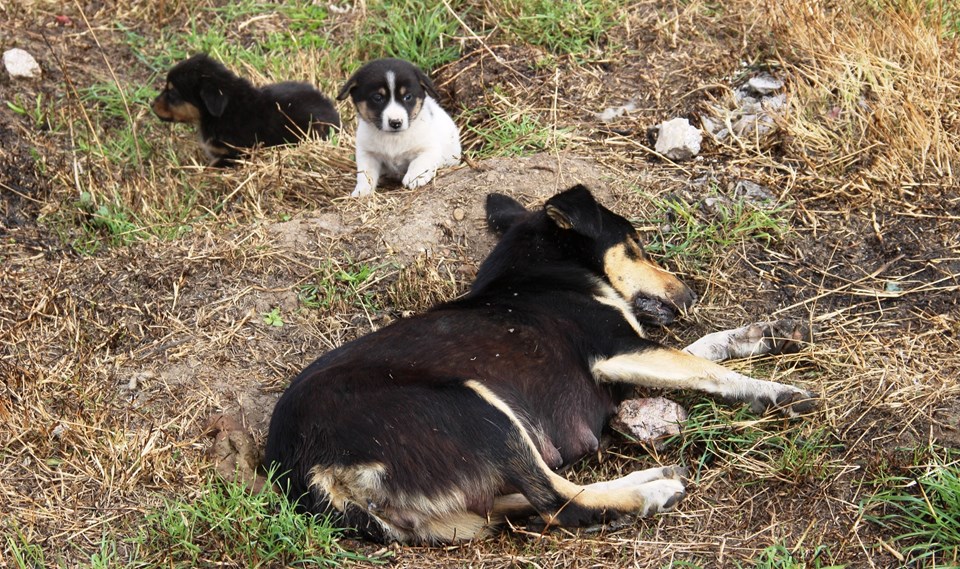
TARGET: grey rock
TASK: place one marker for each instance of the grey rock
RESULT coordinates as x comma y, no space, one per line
764,84
752,192
678,139
649,420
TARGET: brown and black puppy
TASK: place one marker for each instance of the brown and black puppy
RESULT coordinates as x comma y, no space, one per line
234,115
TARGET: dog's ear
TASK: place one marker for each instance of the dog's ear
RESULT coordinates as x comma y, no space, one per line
503,212
347,87
427,85
214,99
576,210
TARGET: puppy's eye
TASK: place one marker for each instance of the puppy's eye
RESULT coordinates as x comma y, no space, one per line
376,98
407,98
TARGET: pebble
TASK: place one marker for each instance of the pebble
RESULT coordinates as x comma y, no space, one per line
678,139
20,64
458,214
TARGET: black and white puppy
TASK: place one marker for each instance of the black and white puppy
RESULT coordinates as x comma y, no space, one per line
234,115
402,131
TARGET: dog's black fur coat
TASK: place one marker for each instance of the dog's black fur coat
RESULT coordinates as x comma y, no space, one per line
234,115
529,331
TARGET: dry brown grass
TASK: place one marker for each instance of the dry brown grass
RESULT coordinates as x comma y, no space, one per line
874,93
112,361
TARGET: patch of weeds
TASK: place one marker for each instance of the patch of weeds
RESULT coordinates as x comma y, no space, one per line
420,32
692,233
226,525
923,508
574,27
119,139
35,111
341,285
273,318
740,438
23,554
107,556
522,135
778,556
294,26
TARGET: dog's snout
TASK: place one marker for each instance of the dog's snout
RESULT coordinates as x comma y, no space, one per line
395,124
686,298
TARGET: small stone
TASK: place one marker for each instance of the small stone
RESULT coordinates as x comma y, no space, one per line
20,64
774,102
752,192
458,214
613,112
678,140
649,420
764,84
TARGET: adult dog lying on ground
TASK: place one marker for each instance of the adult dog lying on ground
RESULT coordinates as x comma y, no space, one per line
234,115
438,427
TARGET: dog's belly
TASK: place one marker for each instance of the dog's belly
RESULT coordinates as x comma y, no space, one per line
545,382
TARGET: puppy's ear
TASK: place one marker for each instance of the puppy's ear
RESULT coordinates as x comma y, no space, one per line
503,212
427,85
347,87
214,99
576,210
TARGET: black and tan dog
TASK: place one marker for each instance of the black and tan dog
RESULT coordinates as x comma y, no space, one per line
234,115
438,427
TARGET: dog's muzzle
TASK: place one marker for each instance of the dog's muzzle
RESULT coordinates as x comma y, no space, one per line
658,312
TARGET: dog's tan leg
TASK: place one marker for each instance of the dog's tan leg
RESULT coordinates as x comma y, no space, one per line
778,337
673,369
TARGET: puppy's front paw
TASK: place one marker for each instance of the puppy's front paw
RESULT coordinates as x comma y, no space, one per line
417,180
363,189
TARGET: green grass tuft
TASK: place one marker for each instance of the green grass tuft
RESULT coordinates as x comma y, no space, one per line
226,525
420,32
696,235
923,508
573,28
793,454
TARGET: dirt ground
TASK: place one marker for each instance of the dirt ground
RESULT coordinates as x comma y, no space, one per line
112,362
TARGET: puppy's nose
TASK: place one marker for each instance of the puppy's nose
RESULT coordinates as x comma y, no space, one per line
395,123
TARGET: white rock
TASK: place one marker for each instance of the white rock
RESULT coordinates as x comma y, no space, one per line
614,112
649,420
20,64
678,140
765,83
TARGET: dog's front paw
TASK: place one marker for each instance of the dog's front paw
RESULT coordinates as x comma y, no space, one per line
417,180
789,402
362,189
779,337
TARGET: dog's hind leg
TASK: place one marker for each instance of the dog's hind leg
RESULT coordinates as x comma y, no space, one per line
661,367
778,337
561,502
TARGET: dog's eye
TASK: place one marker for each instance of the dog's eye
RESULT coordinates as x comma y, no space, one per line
376,98
407,98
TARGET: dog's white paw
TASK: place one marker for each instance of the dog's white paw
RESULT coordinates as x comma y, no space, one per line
787,400
362,189
413,181
661,495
